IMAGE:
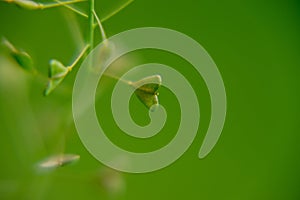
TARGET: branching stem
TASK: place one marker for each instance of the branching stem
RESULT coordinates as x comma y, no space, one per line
75,10
59,3
117,10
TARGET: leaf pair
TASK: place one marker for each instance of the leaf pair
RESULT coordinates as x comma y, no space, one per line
146,90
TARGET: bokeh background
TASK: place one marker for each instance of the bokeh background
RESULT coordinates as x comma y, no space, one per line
256,46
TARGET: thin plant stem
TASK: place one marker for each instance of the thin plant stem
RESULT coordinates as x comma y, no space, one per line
91,23
118,78
70,67
117,10
100,26
108,16
77,11
78,57
6,43
62,3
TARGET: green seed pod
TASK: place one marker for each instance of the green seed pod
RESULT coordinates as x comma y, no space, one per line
57,73
21,57
146,90
57,69
24,60
26,4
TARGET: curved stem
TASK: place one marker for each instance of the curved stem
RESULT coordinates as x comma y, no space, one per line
100,26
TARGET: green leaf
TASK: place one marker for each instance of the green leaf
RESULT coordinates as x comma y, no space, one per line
57,73
146,90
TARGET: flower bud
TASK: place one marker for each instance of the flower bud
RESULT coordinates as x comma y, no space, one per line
57,69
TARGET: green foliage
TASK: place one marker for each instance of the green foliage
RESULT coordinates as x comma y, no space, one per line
145,89
57,71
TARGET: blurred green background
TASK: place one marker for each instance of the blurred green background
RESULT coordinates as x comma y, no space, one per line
256,46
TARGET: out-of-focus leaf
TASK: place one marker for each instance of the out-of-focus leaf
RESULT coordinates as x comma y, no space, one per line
21,57
58,161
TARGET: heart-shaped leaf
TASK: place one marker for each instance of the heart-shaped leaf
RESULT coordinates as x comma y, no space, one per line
146,90
57,73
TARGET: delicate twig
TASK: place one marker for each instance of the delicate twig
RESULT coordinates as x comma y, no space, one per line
9,45
60,3
91,24
109,15
117,10
103,19
100,26
78,57
117,78
76,10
